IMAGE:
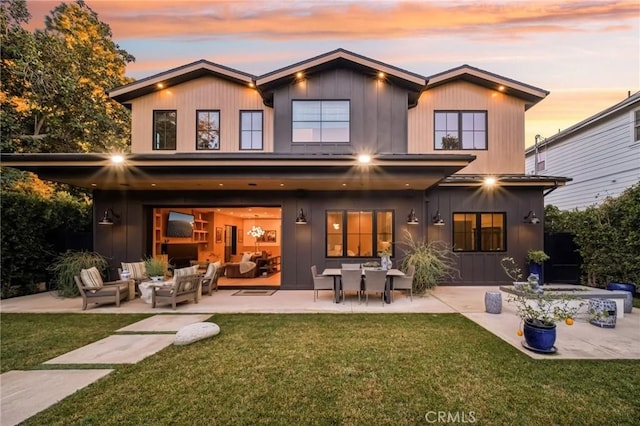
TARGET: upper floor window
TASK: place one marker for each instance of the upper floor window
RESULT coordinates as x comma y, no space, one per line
460,130
207,130
320,121
362,233
637,126
165,129
479,232
251,129
541,157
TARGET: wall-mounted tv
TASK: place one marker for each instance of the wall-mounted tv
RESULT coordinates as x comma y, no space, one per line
179,225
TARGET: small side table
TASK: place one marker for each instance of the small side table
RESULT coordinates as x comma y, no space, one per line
493,302
132,289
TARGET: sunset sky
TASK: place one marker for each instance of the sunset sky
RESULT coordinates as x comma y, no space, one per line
586,53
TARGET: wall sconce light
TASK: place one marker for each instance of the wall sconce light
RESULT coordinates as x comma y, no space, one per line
437,219
108,217
301,219
412,219
531,218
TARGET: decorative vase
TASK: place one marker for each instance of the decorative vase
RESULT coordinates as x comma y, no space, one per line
539,337
631,288
157,278
385,262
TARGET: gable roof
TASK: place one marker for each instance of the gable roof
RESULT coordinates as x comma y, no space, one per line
179,75
530,94
412,82
595,119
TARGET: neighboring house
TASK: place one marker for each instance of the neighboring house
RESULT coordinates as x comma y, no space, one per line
207,139
600,154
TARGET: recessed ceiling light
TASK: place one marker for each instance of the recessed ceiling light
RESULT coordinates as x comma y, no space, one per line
153,184
501,88
160,85
381,75
344,184
117,159
94,184
364,158
221,184
490,181
299,74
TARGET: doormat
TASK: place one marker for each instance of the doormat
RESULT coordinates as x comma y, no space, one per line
254,292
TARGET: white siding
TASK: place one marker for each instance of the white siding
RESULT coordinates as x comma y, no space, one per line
602,160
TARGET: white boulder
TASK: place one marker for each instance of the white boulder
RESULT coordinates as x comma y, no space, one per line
196,331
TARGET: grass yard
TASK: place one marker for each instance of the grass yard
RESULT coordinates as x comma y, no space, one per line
328,369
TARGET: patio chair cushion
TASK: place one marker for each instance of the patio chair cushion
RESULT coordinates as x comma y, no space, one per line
91,278
136,269
211,269
189,270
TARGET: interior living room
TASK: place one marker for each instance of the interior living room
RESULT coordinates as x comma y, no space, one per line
245,240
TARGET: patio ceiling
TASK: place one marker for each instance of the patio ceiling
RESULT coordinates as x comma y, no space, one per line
223,171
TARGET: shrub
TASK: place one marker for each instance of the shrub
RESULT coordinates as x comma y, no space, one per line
71,263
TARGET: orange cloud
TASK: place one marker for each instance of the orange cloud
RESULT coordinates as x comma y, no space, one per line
348,20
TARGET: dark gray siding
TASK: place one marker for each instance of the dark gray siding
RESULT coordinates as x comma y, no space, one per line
304,245
378,113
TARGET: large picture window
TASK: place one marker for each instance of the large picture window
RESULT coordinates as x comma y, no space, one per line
164,130
460,130
251,123
361,233
479,232
320,121
208,130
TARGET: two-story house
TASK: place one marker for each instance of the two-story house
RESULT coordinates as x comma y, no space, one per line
349,152
601,155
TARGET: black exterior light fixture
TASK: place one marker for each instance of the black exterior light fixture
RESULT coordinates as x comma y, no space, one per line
532,218
108,217
301,219
412,219
437,219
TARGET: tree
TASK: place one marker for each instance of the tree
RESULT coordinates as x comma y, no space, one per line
55,81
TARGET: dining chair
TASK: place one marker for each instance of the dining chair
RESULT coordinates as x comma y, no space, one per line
405,282
374,281
320,282
350,266
351,280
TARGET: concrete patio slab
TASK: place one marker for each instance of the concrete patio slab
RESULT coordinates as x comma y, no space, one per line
119,349
164,323
26,393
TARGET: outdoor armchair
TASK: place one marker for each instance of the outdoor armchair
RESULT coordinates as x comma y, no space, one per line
184,287
109,292
210,279
320,282
404,283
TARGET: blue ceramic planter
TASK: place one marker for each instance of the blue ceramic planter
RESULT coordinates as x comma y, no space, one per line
539,338
535,268
622,286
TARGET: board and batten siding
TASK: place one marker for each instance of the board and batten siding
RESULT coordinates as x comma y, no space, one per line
505,126
204,93
378,113
602,160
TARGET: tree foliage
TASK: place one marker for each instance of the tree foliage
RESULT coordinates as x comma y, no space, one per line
54,82
34,216
607,236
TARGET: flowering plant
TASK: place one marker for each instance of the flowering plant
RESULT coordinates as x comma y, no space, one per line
256,232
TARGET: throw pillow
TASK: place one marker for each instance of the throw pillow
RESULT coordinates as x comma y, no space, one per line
211,270
91,277
246,257
190,270
136,270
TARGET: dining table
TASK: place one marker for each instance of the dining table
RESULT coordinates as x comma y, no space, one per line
336,273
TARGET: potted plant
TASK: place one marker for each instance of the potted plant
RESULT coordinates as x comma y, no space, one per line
434,261
536,259
540,311
70,263
155,268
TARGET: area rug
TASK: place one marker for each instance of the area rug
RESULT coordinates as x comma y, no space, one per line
255,292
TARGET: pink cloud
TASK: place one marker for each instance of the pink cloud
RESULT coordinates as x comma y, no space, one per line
347,20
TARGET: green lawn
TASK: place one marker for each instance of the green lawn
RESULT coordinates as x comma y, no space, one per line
330,369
